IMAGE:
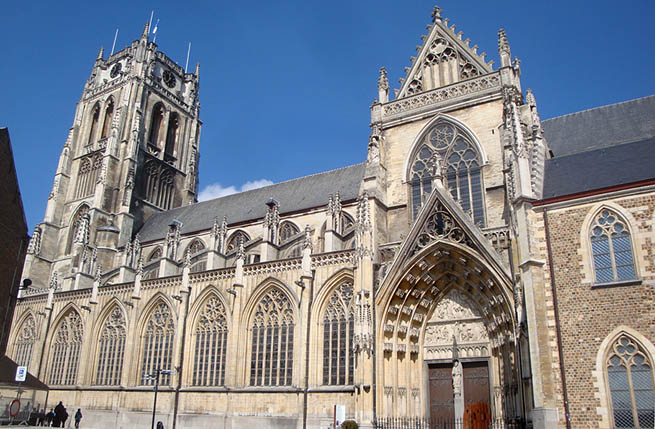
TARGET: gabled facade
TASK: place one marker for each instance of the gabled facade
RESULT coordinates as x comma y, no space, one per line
418,285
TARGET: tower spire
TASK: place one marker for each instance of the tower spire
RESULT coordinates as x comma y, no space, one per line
503,49
146,31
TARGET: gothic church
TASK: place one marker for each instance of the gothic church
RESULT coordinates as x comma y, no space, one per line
480,266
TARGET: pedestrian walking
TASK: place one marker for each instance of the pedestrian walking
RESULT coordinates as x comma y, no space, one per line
60,415
50,417
78,417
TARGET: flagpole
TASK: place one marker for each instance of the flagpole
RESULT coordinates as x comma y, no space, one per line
114,45
154,31
150,23
186,67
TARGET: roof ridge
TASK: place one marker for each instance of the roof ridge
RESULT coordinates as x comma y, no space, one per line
600,107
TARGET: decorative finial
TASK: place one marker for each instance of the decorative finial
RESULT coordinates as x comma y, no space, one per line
307,244
187,258
197,70
146,31
101,53
98,275
383,82
53,281
503,45
139,266
241,252
436,14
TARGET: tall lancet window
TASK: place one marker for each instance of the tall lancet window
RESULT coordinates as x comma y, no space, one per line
106,123
93,128
171,136
25,342
156,136
88,175
65,351
271,359
111,349
338,331
210,345
448,149
612,248
630,377
158,345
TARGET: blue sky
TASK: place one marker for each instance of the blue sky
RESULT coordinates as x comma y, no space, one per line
285,86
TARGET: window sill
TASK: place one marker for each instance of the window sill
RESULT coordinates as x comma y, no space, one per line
632,282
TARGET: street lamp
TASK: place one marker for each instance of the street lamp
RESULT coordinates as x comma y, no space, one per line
155,377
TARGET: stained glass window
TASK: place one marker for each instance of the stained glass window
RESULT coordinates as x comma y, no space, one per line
158,344
448,149
112,348
338,331
65,352
630,376
271,362
210,345
25,340
612,248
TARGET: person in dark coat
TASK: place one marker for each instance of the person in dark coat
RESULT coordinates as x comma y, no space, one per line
49,417
60,415
64,417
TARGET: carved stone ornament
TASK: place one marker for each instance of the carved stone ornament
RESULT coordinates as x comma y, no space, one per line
307,243
34,248
383,81
441,225
363,338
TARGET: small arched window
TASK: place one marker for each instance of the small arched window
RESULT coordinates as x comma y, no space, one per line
65,351
234,240
158,345
156,254
338,332
347,223
271,356
171,136
93,129
287,230
447,148
210,345
611,247
198,262
111,350
106,123
630,379
156,136
25,340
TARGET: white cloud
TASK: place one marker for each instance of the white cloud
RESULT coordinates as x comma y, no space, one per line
216,190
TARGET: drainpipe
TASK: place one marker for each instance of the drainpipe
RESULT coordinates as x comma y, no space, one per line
179,369
557,324
309,327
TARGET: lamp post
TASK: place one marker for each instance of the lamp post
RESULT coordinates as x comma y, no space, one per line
155,377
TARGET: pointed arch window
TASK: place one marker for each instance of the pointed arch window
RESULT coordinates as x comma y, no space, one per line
111,349
448,149
77,225
27,336
338,332
611,247
233,243
158,344
65,352
106,123
156,254
210,339
88,175
93,128
288,230
271,359
156,135
630,379
198,262
159,184
171,136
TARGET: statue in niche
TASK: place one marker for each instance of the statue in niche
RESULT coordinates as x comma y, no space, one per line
457,377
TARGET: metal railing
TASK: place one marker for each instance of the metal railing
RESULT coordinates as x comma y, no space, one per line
426,423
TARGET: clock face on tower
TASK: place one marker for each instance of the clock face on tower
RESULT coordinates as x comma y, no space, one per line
115,70
169,78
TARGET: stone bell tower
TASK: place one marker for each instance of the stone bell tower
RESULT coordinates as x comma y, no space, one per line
132,151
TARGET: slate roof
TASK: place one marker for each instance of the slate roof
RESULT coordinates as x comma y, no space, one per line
293,195
600,127
600,168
